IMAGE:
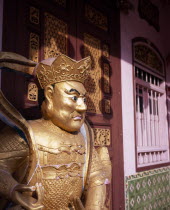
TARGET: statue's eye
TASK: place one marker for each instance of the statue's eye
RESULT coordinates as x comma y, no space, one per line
74,98
84,100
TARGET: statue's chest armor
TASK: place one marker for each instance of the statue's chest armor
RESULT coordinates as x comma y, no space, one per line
62,167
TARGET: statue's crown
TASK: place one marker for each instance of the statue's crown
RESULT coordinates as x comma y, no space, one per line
62,68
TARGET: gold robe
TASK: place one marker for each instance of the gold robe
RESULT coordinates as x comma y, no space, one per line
67,163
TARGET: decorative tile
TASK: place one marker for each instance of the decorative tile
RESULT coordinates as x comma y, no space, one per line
148,190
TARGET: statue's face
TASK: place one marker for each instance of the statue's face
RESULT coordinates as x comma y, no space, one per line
69,107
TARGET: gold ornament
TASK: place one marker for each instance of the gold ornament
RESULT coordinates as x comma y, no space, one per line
62,68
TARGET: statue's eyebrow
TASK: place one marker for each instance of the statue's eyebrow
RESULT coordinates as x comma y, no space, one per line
72,91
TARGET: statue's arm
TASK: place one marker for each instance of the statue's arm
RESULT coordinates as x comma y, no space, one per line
13,161
7,183
97,196
12,190
13,153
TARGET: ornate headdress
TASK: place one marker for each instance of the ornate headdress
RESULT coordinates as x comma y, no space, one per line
62,68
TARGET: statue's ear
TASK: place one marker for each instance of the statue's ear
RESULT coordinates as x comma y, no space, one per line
47,105
48,92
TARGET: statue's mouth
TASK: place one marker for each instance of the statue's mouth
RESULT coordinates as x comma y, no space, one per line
78,117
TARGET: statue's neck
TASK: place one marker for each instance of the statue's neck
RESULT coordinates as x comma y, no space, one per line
50,135
54,128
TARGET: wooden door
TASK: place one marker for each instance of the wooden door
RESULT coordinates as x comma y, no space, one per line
77,28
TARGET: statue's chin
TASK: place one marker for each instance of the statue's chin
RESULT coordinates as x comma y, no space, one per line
71,130
70,127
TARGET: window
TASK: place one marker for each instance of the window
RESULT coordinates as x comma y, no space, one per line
152,143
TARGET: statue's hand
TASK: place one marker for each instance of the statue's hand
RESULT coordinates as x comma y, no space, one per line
27,201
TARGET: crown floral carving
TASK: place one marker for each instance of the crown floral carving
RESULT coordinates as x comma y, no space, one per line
62,68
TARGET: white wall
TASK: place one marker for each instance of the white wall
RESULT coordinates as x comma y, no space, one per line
133,26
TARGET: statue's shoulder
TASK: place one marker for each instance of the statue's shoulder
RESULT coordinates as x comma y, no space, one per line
45,133
39,130
36,126
11,140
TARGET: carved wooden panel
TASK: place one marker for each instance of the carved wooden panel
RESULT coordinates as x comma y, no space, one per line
96,17
92,47
107,107
61,2
55,36
106,50
34,15
147,56
32,92
106,75
34,47
101,136
149,12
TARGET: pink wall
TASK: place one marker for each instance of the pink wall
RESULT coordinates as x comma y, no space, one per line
133,26
164,21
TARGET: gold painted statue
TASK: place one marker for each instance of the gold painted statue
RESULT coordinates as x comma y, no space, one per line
50,163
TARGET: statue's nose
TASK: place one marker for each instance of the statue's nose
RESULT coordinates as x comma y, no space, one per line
81,105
